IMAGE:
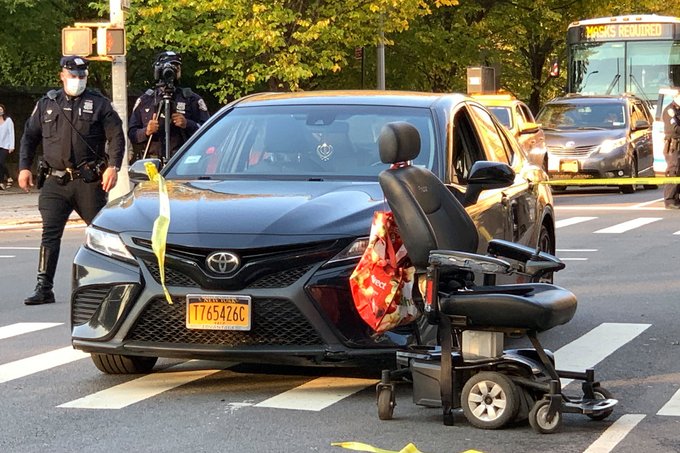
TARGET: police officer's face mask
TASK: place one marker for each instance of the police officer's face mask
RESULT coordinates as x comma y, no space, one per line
74,86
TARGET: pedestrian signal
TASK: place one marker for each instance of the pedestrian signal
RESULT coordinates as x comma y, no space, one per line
110,41
76,41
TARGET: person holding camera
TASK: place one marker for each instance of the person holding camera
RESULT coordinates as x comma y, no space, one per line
186,110
671,151
74,125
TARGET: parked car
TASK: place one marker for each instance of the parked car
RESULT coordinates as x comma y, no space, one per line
516,116
666,96
271,203
593,136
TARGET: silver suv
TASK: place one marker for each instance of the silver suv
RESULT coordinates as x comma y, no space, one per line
598,137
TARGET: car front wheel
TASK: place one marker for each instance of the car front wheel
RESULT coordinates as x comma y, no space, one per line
123,364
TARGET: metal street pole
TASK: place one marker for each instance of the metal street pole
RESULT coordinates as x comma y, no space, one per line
119,95
380,59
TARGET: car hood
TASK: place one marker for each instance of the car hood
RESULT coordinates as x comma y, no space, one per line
269,212
581,137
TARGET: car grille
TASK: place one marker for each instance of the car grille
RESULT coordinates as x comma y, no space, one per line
269,267
275,280
579,151
85,303
275,322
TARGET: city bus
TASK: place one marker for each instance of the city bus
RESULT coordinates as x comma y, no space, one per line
637,54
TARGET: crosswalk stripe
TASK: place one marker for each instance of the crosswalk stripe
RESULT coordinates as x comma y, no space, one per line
672,407
593,347
572,221
40,362
20,328
139,389
629,225
615,433
317,394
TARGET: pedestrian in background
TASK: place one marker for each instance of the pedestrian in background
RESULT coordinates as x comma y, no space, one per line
74,125
7,142
671,151
188,110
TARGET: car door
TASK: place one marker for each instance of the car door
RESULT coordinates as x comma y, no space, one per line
465,147
642,139
518,200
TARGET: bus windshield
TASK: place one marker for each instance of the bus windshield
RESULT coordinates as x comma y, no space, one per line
624,54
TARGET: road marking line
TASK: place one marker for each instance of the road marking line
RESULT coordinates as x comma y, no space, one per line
8,256
629,225
572,221
19,248
672,407
20,328
40,362
139,389
596,345
643,204
576,250
318,394
677,232
615,433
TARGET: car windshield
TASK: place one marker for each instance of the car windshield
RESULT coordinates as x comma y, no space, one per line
502,114
571,115
299,141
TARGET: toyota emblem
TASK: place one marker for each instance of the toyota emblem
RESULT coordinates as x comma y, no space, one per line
222,262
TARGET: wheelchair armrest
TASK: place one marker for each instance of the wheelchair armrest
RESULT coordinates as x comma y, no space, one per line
532,263
469,261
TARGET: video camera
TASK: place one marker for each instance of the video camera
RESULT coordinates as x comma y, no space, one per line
166,69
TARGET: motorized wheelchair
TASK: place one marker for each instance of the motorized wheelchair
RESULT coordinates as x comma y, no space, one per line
470,368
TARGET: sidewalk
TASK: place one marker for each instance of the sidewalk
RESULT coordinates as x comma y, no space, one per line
19,209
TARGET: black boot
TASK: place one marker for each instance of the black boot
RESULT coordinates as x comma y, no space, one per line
47,266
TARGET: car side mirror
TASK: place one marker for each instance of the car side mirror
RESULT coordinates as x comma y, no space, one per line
137,171
641,124
528,128
485,175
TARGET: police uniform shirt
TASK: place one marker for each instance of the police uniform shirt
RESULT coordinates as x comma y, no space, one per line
90,114
184,101
671,121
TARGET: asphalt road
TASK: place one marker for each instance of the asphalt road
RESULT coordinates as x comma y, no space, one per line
621,253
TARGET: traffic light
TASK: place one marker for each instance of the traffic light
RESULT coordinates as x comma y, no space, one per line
76,41
110,41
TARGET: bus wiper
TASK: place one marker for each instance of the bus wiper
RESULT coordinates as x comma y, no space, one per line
613,84
633,80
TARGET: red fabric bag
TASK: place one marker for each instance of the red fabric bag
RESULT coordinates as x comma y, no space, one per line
382,282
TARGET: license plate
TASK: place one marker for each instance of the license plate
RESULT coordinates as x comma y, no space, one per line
208,312
570,166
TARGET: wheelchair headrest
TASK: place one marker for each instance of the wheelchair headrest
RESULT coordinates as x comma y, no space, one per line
398,142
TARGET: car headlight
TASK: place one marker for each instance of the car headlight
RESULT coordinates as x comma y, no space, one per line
352,251
106,243
608,146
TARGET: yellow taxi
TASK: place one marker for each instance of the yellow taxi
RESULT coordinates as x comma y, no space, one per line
518,119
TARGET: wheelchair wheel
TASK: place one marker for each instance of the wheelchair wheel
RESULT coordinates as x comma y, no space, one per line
601,394
385,404
489,400
538,418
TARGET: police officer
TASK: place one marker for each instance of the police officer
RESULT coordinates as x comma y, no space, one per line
188,110
74,124
671,151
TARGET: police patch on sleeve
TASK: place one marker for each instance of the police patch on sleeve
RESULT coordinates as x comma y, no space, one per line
202,106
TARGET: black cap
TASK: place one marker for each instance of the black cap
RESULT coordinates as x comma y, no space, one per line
168,56
75,65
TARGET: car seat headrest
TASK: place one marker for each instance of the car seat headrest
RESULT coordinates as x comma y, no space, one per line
398,142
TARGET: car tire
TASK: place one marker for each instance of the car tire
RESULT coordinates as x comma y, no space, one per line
630,188
546,244
558,189
123,364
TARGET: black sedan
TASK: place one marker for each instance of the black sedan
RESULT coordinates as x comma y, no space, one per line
271,203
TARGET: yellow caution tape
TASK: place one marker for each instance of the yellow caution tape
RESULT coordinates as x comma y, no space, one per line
650,181
159,234
358,446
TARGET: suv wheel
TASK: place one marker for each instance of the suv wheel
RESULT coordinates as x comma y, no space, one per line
630,188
